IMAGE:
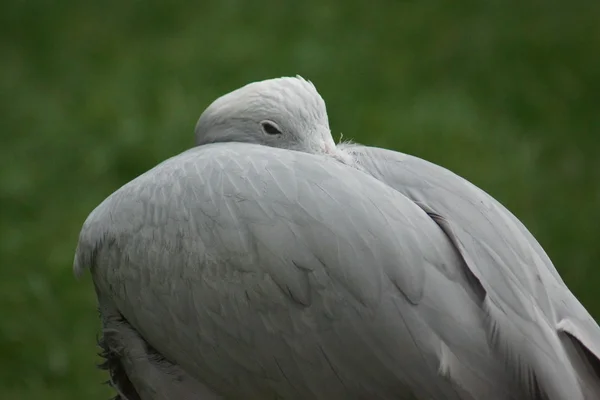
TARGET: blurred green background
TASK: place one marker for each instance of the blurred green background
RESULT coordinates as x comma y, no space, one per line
505,93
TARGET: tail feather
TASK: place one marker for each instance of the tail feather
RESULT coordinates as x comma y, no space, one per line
541,364
585,362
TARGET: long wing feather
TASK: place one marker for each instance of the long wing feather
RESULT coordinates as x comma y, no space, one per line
533,319
264,273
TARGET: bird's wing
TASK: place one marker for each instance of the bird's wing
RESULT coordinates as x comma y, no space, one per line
266,271
533,317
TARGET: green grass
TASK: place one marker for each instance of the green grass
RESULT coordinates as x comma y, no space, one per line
505,93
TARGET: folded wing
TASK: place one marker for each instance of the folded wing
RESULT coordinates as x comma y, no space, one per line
534,322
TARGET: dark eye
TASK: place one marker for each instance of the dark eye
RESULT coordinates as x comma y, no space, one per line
270,128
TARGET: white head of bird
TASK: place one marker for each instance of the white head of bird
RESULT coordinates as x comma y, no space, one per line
285,112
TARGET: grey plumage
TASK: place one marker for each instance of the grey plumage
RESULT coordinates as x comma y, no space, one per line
261,265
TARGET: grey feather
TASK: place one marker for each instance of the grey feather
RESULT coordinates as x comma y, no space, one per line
278,265
276,282
528,304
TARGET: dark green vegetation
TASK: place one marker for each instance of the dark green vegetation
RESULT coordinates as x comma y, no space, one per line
505,93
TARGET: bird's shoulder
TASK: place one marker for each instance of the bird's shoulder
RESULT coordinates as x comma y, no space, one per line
168,193
249,207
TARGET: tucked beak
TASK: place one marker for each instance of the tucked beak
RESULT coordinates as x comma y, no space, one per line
327,147
327,144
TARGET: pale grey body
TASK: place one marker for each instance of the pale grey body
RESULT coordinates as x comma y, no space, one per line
258,272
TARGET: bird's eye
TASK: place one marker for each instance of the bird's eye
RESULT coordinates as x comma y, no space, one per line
270,128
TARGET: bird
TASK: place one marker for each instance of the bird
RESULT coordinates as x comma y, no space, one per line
270,262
